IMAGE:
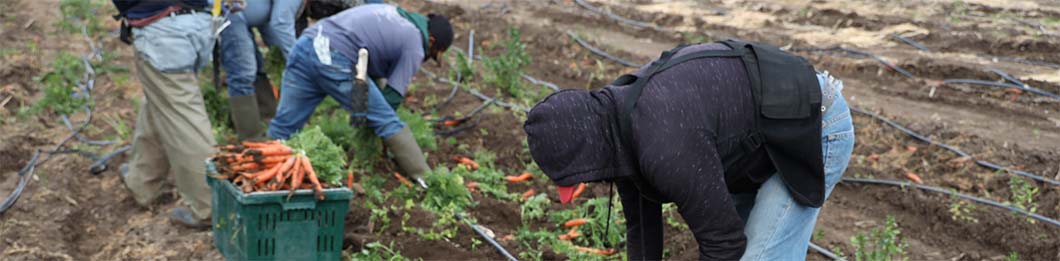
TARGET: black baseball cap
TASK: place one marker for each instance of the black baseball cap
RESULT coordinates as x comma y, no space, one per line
438,26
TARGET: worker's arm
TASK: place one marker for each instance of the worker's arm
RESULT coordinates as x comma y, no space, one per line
397,83
680,160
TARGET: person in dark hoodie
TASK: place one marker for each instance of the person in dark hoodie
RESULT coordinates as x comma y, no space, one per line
747,141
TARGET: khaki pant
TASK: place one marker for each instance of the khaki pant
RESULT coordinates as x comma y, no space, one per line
172,139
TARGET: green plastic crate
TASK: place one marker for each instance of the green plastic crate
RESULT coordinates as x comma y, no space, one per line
268,226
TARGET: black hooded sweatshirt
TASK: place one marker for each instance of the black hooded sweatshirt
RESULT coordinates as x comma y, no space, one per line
687,125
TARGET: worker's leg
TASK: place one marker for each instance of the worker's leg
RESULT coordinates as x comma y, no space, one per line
173,49
300,94
280,29
644,223
780,228
240,64
149,166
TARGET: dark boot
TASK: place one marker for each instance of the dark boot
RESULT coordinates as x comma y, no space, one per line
408,155
267,96
245,116
183,216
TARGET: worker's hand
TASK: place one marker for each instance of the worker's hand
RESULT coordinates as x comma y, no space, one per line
236,5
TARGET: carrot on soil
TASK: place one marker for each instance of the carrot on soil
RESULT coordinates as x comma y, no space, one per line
578,191
402,179
516,179
528,194
575,222
471,164
602,252
914,177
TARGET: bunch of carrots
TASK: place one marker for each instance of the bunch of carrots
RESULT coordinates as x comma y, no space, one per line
267,166
573,224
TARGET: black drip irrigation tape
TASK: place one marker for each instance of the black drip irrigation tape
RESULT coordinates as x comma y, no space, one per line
474,92
857,53
951,193
88,78
487,237
910,42
540,82
624,20
825,252
601,53
24,176
960,152
460,122
1016,84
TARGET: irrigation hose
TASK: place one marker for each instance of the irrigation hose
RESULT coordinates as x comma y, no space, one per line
24,176
1004,85
940,190
825,252
100,165
910,42
960,152
488,239
858,53
624,20
601,53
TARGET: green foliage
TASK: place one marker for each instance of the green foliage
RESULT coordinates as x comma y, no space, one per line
328,159
447,191
421,129
60,84
531,240
880,244
378,251
534,208
490,180
670,210
462,69
1023,194
1012,256
275,63
506,70
76,12
962,211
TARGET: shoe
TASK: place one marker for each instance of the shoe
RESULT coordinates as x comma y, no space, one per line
183,216
408,155
245,116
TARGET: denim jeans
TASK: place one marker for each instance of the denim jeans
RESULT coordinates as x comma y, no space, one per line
306,82
777,227
240,56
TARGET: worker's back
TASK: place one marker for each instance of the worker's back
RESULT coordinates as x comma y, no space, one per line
388,36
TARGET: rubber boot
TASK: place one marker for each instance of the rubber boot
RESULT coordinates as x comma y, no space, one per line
408,155
245,116
267,97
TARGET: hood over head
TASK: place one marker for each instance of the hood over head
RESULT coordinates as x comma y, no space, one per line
571,137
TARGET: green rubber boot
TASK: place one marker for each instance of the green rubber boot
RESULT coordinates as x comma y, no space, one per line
408,155
246,117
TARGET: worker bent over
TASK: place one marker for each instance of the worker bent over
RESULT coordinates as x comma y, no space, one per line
321,63
746,140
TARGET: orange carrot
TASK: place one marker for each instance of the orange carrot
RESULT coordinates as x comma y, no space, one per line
472,186
516,179
313,178
602,252
278,150
910,148
578,191
403,179
914,177
273,159
528,194
259,179
265,144
471,164
249,166
575,222
572,234
349,179
451,123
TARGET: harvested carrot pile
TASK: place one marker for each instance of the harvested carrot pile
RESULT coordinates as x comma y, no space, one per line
267,166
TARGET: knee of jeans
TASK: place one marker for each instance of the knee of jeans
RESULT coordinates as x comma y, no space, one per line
389,129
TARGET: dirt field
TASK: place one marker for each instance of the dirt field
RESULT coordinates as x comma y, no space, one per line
66,213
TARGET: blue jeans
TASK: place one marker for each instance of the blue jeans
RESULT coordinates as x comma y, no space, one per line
305,83
777,227
240,56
